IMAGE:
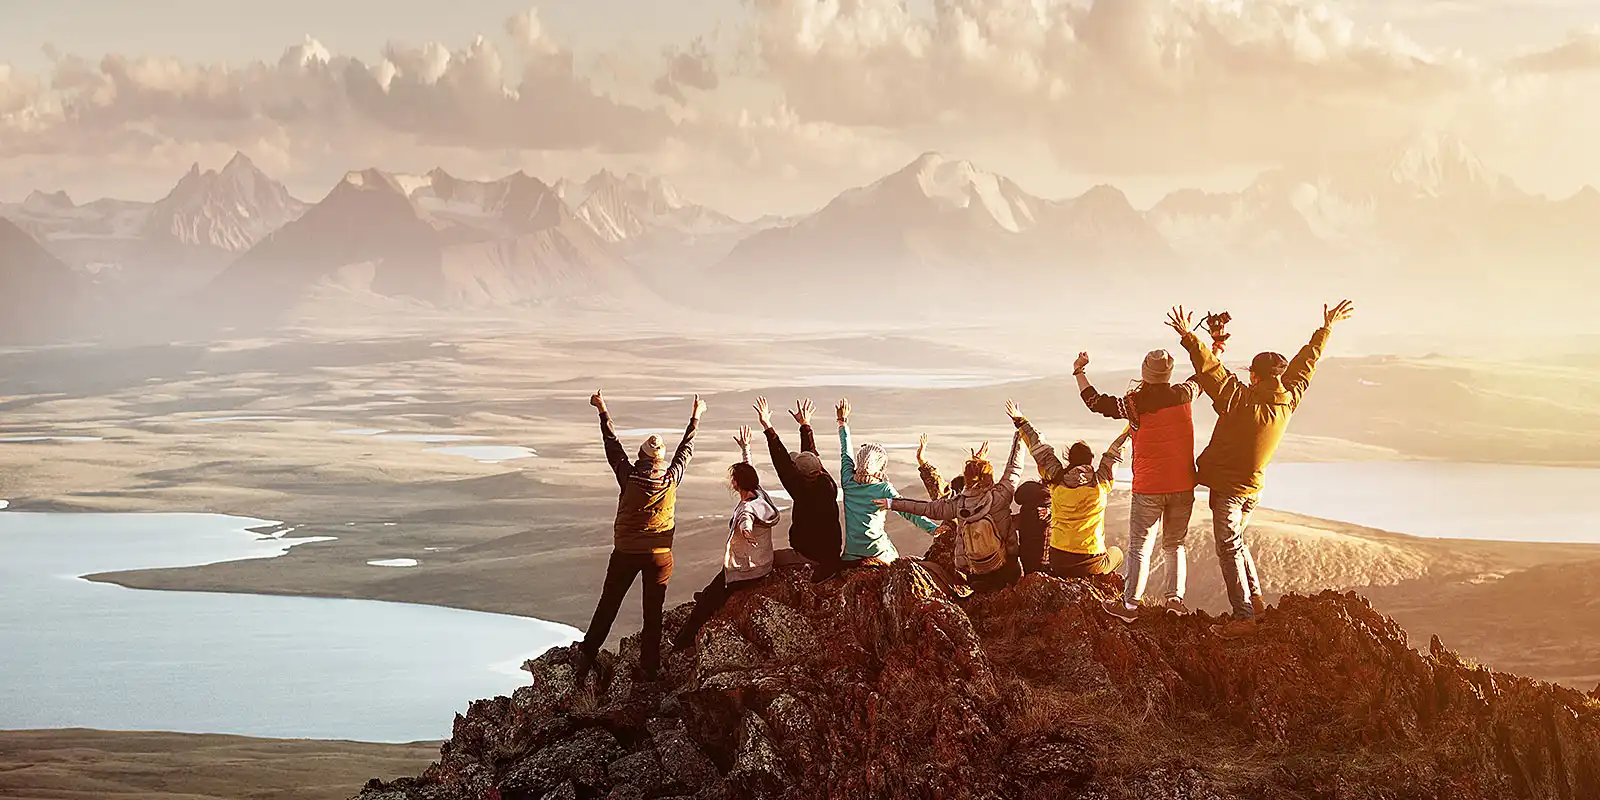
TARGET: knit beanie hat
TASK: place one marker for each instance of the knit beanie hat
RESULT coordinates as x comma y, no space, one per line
808,463
653,449
1269,365
871,461
1157,367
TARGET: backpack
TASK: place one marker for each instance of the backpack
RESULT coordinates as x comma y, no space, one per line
986,552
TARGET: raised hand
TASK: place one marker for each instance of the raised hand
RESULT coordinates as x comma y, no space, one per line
881,502
1081,363
842,411
1338,313
597,401
1180,320
1013,410
742,438
763,413
922,447
802,411
699,407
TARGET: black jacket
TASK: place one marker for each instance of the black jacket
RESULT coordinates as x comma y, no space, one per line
815,531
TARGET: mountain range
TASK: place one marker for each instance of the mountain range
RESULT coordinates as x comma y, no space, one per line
1426,208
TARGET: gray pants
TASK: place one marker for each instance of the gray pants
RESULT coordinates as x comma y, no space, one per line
1229,518
1173,512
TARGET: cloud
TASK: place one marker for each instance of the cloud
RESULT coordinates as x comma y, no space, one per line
1115,85
1580,52
431,94
693,68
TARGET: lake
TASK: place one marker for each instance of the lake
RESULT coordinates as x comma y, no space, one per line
1440,499
75,653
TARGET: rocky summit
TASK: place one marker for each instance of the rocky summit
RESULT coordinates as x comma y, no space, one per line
875,685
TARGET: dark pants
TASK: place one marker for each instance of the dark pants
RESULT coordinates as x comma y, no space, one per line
707,602
1083,565
620,572
997,580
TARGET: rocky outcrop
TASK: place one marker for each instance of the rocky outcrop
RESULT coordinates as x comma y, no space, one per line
875,685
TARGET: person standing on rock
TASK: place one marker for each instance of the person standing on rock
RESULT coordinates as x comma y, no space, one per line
1251,421
1161,418
747,557
641,536
1078,494
986,547
814,532
866,542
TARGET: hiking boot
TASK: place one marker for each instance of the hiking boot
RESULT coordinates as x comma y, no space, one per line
1259,604
1174,605
1235,629
1120,610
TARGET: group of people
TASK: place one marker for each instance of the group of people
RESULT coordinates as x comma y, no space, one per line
1059,530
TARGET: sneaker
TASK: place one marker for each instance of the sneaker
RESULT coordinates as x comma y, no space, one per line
1235,629
1120,610
1259,604
1174,605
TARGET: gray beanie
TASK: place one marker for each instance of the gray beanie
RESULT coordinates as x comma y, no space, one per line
1157,367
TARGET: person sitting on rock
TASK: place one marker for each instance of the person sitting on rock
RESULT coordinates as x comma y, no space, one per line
1251,421
747,556
866,542
986,546
1078,493
641,536
815,535
1160,415
1033,525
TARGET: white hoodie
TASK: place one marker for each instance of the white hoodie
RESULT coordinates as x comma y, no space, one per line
749,552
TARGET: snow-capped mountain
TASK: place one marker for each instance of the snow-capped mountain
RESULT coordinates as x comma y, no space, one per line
631,207
432,240
226,210
937,215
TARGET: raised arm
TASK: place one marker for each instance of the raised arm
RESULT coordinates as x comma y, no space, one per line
802,416
788,475
1013,470
1106,473
680,459
1103,404
615,455
742,438
929,473
847,462
1043,454
1297,378
1222,386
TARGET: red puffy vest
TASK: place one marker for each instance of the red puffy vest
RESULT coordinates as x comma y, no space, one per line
1163,451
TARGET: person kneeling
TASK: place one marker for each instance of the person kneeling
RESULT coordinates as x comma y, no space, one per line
1078,493
747,557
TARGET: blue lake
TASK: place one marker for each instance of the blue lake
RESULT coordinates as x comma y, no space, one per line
75,653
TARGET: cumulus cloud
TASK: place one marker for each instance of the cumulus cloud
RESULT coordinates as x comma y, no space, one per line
1580,52
693,68
1115,85
472,96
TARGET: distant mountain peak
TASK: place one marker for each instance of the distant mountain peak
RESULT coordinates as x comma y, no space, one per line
1441,164
228,209
48,201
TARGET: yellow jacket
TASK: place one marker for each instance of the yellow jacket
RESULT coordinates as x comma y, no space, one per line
1077,494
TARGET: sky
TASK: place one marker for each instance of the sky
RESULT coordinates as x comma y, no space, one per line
774,106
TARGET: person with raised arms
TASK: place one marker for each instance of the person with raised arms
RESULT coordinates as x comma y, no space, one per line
1251,421
641,536
1078,492
863,478
815,535
747,555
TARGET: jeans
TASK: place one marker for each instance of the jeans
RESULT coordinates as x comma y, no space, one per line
1173,511
1229,518
620,572
707,602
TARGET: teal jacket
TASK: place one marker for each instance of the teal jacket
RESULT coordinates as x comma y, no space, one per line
864,536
